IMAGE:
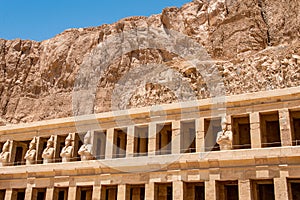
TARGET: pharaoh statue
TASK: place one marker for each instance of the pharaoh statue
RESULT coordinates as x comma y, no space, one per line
5,154
67,152
48,153
224,137
85,150
31,152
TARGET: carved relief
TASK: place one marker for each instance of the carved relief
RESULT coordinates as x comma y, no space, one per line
48,153
5,154
85,150
224,137
67,151
31,153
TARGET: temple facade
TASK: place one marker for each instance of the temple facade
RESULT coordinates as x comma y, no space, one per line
246,148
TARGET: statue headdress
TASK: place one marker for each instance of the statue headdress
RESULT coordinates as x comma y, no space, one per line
224,120
69,137
6,144
51,139
33,141
88,136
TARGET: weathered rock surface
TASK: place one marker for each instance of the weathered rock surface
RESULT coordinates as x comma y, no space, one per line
255,44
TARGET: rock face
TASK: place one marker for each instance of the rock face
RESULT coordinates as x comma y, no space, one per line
255,44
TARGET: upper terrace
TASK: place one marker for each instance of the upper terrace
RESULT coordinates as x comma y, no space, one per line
258,120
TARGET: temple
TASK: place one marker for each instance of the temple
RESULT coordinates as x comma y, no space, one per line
247,148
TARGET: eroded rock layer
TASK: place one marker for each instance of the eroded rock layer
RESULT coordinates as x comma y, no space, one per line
255,44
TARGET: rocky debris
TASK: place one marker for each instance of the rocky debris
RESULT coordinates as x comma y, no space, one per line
2,122
255,45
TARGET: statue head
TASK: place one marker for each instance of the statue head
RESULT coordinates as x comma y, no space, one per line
6,146
50,142
224,123
87,138
68,140
32,144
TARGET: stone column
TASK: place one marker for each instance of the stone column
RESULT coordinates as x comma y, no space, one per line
49,193
285,127
121,192
175,143
130,141
200,135
150,191
178,190
109,143
255,134
152,139
96,192
28,192
244,190
210,187
281,186
72,193
8,194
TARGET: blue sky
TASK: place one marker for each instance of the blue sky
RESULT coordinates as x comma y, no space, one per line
43,19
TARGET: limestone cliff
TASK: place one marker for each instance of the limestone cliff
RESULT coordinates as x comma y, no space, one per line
255,44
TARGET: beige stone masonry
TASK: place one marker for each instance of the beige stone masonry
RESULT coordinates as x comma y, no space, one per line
150,191
200,134
121,192
178,193
109,143
130,141
210,187
281,186
50,193
152,139
96,192
244,189
9,194
285,128
28,192
256,163
176,137
255,134
72,193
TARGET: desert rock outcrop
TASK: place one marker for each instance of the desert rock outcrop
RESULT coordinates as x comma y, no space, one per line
255,44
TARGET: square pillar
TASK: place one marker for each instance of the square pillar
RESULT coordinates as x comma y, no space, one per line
152,139
8,194
178,190
200,135
150,191
210,187
72,193
28,193
130,141
121,192
210,190
281,186
176,144
96,192
255,134
49,193
109,143
244,189
285,127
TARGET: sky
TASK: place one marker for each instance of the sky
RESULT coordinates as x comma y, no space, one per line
43,19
